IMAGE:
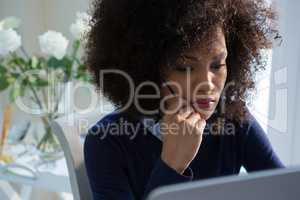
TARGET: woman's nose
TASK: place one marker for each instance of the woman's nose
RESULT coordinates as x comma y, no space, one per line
203,82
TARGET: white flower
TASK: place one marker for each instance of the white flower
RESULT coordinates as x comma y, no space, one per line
10,41
53,43
81,25
10,23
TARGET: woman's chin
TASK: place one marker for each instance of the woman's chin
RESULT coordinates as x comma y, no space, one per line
205,114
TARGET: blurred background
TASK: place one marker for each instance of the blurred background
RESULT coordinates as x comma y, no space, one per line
276,104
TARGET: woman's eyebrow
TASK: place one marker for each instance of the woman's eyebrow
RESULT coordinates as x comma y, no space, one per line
220,56
191,57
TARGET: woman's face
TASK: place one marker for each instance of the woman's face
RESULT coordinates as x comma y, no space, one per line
199,75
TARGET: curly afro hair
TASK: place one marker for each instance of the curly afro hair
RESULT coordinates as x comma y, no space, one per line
140,37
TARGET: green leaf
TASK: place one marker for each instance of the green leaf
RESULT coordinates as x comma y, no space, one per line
42,63
40,83
18,61
15,75
55,63
65,64
3,70
4,82
68,64
34,62
15,92
76,45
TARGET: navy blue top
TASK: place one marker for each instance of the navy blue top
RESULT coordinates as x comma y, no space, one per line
123,159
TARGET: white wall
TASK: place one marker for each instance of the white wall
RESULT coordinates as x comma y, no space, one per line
39,16
284,121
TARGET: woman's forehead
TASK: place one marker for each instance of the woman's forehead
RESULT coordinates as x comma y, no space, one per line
214,43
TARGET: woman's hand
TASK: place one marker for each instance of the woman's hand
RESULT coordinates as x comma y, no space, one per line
181,136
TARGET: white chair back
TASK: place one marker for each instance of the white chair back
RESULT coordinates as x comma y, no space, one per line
70,132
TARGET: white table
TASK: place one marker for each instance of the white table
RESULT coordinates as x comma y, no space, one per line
52,176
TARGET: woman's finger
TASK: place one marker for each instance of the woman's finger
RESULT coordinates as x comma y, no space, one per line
201,123
193,119
185,112
171,103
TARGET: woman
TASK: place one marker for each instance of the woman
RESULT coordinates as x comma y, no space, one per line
179,72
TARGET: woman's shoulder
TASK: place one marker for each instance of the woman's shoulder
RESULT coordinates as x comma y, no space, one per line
114,136
106,135
118,129
248,130
249,123
241,129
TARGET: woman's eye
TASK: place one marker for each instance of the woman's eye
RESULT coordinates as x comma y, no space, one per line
183,68
218,66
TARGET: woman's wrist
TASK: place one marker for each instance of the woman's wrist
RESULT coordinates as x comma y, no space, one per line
172,163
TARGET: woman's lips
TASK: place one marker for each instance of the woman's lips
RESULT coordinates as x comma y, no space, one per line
205,103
